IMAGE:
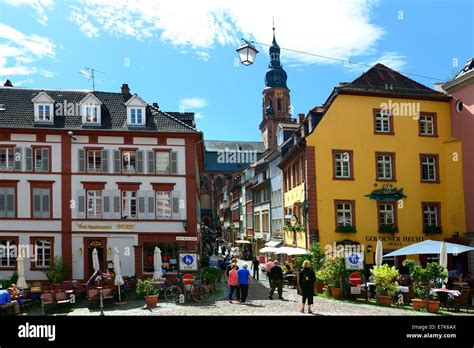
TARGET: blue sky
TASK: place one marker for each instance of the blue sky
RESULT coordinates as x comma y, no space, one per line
181,54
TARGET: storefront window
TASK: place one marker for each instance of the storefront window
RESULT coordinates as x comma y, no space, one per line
169,257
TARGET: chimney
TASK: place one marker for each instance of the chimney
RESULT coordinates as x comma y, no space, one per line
301,118
125,89
155,104
8,83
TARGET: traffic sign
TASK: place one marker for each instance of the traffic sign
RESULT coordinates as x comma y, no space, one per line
188,261
355,261
355,279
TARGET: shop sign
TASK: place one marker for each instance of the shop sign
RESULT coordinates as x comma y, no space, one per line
355,290
395,241
187,239
354,261
188,261
120,226
96,244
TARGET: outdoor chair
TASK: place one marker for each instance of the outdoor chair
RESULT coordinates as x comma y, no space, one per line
46,300
92,294
62,297
445,300
463,300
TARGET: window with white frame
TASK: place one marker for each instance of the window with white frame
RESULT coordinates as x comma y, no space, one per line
41,159
7,158
428,168
427,125
8,253
43,248
129,204
44,112
129,161
387,214
94,161
163,163
163,205
342,161
383,122
94,204
137,116
384,167
430,215
91,113
344,214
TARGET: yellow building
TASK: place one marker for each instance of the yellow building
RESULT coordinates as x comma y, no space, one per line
379,134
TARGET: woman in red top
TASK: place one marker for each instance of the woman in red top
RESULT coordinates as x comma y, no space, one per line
233,281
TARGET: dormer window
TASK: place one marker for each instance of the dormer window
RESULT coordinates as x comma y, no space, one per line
136,116
136,111
44,108
91,110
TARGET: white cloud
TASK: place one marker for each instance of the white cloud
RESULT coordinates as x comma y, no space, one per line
335,28
18,51
393,60
198,116
193,103
39,5
23,82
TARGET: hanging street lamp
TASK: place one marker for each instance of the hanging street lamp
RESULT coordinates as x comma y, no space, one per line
247,53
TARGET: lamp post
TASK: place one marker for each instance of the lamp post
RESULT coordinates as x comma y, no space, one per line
247,53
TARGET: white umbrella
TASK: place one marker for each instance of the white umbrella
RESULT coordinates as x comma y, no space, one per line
429,247
268,250
95,263
118,274
21,282
292,251
158,272
378,253
443,257
242,241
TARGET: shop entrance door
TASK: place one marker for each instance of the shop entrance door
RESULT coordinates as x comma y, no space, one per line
90,245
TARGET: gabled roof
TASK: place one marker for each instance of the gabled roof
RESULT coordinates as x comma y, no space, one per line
91,96
42,97
382,80
19,111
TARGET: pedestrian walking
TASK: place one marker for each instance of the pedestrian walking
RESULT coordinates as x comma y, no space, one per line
233,282
244,280
268,267
227,271
276,281
307,278
256,268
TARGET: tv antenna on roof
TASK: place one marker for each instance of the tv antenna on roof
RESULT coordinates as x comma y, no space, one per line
90,74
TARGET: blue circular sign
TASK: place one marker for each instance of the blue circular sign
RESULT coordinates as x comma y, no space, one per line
188,260
354,259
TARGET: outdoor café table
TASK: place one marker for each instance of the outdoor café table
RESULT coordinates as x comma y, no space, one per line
451,293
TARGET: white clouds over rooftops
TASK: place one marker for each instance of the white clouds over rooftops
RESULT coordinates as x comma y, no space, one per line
18,51
40,7
193,103
335,28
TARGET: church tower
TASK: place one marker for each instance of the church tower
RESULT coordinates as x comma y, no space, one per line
276,98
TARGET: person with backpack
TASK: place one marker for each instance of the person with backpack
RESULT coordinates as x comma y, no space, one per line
307,278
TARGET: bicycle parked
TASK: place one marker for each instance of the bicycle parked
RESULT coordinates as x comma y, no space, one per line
191,287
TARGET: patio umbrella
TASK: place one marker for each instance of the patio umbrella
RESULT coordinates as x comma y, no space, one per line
379,253
292,251
118,274
443,257
242,241
429,247
95,263
21,282
268,250
158,272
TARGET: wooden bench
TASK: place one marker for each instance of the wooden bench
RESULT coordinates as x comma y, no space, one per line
46,300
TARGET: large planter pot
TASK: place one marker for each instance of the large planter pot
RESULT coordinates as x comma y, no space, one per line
385,301
151,301
318,287
433,306
336,293
418,304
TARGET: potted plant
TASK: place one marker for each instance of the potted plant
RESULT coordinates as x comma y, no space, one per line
148,290
331,274
384,279
423,280
210,276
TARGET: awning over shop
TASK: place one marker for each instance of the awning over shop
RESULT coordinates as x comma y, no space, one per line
273,243
268,250
292,251
429,247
